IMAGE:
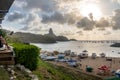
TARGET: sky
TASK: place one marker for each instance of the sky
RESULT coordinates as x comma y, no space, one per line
78,19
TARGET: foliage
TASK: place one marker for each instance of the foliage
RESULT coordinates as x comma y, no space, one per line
2,32
11,39
26,55
47,71
4,74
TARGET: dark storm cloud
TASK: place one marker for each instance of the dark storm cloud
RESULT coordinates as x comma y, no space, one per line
15,16
86,24
116,19
102,23
57,17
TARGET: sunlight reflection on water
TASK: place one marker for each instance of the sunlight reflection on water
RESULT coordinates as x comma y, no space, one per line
78,47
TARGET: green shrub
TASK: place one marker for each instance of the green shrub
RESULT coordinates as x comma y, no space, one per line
26,55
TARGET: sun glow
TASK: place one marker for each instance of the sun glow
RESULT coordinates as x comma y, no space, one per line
88,8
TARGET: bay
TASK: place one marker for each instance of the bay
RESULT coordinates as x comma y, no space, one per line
78,47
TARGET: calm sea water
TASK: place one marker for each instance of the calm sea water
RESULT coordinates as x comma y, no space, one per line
78,47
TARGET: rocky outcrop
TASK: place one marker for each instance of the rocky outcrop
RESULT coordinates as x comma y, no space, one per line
38,38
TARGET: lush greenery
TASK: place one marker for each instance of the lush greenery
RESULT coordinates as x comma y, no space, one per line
3,74
2,32
26,55
47,71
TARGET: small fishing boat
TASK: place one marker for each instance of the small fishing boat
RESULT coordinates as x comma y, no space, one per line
84,54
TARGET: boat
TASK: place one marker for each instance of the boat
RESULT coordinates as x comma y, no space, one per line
50,58
67,52
84,54
118,52
72,63
102,55
94,55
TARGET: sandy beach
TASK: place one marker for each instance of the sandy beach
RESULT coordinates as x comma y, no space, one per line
93,63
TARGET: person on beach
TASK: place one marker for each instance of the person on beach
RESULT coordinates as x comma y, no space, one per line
3,43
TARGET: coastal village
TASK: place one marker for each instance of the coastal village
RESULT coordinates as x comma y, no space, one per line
23,60
97,65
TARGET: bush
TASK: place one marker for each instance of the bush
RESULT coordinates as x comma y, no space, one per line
26,55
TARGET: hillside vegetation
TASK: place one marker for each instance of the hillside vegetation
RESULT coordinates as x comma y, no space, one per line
47,71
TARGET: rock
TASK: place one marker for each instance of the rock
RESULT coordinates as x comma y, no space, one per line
27,71
31,75
34,77
12,78
18,66
12,72
11,66
1,66
9,69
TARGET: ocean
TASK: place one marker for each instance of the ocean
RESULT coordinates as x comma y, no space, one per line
78,47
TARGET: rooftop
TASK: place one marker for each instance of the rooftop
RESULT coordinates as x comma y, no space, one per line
4,8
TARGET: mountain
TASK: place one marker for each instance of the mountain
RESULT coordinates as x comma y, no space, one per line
38,38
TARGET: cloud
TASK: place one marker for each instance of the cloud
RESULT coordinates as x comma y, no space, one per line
102,23
44,5
67,33
21,3
60,18
69,0
116,19
15,16
86,24
56,17
118,1
107,33
80,32
32,22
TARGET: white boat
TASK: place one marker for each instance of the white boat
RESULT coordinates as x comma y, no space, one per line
43,56
84,54
50,58
67,52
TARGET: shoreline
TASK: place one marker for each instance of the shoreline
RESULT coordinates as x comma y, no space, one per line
94,63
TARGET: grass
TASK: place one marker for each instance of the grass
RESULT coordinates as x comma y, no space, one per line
47,71
4,74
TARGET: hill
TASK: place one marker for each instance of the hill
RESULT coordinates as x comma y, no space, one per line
38,38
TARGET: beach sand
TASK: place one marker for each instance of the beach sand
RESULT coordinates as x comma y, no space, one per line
98,62
95,64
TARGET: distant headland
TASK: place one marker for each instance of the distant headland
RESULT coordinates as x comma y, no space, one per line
50,37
